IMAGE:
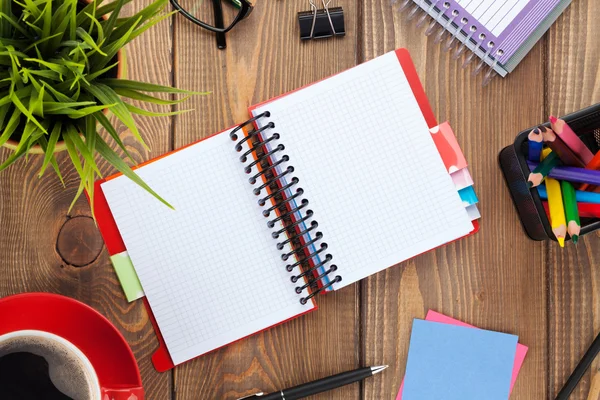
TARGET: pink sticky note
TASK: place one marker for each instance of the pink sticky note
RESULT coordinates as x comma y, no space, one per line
441,318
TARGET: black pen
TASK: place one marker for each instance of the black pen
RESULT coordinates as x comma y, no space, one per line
322,385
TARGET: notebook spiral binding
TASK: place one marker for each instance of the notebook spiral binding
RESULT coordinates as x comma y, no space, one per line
454,28
312,248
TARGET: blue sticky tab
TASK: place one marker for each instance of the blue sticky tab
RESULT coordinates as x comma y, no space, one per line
468,196
457,363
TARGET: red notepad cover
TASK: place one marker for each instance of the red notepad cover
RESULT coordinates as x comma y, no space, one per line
114,242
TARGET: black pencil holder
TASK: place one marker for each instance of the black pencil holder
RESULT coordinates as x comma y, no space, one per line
513,162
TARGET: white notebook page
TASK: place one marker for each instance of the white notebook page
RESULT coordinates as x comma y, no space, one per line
495,15
369,167
210,269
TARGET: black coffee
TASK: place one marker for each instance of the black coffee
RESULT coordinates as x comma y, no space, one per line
31,363
25,376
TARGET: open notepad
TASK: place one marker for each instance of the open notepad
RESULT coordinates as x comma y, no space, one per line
356,185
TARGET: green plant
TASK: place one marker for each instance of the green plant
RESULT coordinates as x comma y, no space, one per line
57,80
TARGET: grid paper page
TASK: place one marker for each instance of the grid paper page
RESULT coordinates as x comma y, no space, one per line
367,163
210,269
495,15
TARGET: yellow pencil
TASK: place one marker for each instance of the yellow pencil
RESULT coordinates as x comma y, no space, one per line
556,206
557,210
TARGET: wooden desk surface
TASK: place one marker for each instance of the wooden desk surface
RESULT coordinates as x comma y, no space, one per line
498,279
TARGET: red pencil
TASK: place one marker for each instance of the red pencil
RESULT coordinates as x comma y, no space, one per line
570,138
586,210
564,152
595,165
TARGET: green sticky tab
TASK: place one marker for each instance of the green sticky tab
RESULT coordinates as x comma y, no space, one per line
127,276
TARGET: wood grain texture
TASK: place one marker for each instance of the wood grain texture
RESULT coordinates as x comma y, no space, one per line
495,279
33,211
265,58
574,305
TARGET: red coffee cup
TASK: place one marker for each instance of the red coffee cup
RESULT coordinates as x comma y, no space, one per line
80,345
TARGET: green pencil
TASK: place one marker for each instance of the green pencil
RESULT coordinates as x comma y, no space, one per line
543,169
571,211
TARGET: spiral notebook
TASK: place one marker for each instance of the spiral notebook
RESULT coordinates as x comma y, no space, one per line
500,32
320,188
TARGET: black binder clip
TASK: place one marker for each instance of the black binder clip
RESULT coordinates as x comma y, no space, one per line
323,23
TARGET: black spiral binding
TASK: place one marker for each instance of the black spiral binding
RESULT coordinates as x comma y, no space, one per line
272,180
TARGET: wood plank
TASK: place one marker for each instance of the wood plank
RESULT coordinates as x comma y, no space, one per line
265,58
43,245
574,308
495,279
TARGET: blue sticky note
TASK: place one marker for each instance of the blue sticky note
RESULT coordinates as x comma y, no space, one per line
468,196
448,362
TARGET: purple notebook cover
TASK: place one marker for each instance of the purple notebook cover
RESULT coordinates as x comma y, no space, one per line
506,23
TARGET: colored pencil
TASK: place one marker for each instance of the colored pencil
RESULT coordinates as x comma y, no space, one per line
557,145
586,210
571,174
539,173
535,144
570,138
571,212
594,164
580,196
557,211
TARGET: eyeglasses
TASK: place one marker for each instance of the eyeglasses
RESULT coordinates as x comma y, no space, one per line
200,11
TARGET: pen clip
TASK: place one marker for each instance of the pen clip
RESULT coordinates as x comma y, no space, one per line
252,395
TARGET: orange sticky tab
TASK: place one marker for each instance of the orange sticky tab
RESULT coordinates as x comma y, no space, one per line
445,141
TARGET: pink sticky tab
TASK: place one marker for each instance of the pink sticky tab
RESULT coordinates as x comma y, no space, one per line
441,318
445,141
462,179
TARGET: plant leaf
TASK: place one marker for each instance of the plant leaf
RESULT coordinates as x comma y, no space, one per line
132,94
82,148
21,147
104,121
50,146
47,22
89,40
101,11
150,24
146,87
112,157
96,74
36,102
24,110
98,26
106,95
112,49
71,150
51,107
11,125
58,95
15,24
49,152
140,111
82,112
112,20
146,14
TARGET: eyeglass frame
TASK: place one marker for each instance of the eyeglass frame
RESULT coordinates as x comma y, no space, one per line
245,10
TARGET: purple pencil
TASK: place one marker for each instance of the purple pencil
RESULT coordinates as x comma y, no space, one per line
572,174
